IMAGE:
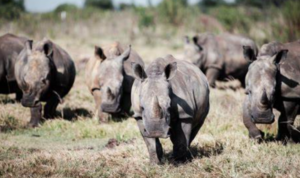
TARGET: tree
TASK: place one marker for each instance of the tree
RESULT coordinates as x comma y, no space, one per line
11,9
172,11
101,4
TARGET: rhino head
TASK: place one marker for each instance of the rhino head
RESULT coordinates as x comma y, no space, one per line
110,79
193,51
154,99
261,84
33,71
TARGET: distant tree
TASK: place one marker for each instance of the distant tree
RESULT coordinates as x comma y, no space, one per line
101,4
124,6
65,7
11,9
211,3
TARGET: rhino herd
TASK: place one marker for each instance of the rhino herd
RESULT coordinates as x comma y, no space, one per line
169,97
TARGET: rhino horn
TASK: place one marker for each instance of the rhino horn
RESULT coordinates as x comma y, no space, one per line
264,98
156,108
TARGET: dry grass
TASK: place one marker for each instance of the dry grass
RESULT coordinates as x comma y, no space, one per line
76,146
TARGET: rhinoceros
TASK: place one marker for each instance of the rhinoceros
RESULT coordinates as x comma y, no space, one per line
169,99
44,73
220,57
273,82
10,45
109,79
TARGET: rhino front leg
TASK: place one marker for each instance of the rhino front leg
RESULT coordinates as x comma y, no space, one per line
254,132
19,96
103,117
286,128
50,107
153,145
36,115
212,75
180,137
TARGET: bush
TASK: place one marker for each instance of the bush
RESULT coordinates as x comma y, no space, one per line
173,11
101,4
65,7
291,14
11,9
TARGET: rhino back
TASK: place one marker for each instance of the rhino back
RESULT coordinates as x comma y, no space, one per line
9,44
65,70
129,78
232,48
190,92
289,68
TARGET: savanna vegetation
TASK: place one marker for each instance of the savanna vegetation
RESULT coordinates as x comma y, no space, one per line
74,144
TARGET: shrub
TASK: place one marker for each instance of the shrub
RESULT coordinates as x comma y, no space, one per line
101,4
291,14
11,9
173,11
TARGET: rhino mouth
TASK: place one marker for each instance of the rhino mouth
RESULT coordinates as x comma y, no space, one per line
268,120
110,108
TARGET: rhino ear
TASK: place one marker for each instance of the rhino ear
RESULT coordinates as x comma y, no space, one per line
280,55
125,55
170,70
100,53
28,46
138,71
195,40
48,48
249,53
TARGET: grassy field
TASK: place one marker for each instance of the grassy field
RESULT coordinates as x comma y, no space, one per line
76,145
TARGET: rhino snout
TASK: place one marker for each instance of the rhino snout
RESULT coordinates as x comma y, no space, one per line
264,118
110,108
157,130
30,101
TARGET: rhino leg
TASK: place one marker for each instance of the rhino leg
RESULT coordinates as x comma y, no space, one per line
103,117
180,137
50,107
19,96
286,128
212,75
126,103
254,132
153,145
36,115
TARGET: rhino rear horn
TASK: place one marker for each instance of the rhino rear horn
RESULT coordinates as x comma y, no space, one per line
125,55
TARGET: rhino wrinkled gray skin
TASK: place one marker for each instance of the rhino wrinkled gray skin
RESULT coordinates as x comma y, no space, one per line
220,57
10,46
44,73
273,82
109,78
169,99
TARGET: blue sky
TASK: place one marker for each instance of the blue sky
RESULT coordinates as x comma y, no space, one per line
49,5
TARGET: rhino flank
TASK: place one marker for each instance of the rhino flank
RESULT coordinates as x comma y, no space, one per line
44,73
220,57
10,45
170,98
273,82
109,79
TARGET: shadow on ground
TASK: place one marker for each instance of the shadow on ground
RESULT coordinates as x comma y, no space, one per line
71,114
198,152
